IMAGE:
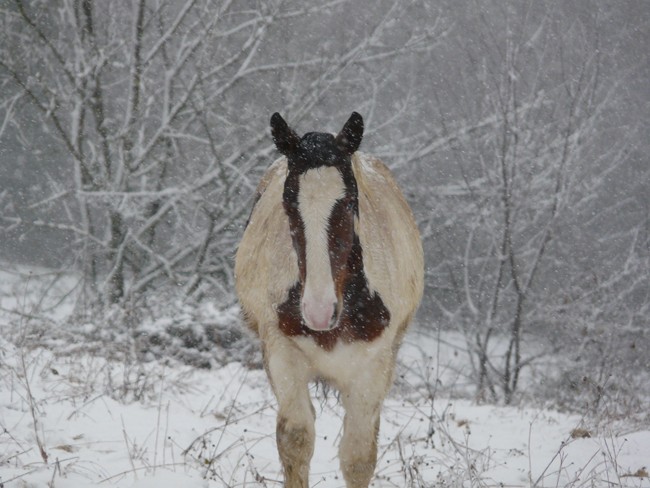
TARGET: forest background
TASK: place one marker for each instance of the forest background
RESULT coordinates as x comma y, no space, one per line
133,135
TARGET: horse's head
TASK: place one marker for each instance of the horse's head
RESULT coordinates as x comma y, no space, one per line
321,201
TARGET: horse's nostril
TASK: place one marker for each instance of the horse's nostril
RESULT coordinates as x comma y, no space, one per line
335,316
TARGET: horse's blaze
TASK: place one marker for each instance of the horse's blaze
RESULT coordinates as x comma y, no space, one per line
318,193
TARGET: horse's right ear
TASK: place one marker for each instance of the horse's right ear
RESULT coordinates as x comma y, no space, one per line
349,139
285,139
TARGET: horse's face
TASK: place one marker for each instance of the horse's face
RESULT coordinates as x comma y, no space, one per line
321,201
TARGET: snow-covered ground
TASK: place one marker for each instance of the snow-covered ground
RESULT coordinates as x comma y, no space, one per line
81,421
157,425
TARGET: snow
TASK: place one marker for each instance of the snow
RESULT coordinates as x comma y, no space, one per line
163,424
113,424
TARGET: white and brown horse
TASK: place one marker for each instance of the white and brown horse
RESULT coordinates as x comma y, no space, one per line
329,273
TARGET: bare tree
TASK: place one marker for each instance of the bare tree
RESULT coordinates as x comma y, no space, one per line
149,106
527,137
138,130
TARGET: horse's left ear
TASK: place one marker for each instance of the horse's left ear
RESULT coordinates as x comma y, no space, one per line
285,139
349,139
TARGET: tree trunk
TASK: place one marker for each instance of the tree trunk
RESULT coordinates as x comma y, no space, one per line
115,284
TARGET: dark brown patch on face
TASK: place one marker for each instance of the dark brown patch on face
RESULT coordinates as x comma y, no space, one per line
340,236
363,311
296,225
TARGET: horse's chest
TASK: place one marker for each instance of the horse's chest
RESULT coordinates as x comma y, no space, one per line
345,363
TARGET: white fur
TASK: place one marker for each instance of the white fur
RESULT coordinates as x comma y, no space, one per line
319,191
342,365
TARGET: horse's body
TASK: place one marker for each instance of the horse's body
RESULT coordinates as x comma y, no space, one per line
329,274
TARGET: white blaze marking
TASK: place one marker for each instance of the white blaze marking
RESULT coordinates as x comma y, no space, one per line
319,190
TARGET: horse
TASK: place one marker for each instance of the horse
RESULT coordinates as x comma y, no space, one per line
329,273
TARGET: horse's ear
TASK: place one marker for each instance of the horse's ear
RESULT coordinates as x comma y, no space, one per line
285,139
349,139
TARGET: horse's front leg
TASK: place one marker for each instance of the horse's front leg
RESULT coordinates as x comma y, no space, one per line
358,449
295,433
